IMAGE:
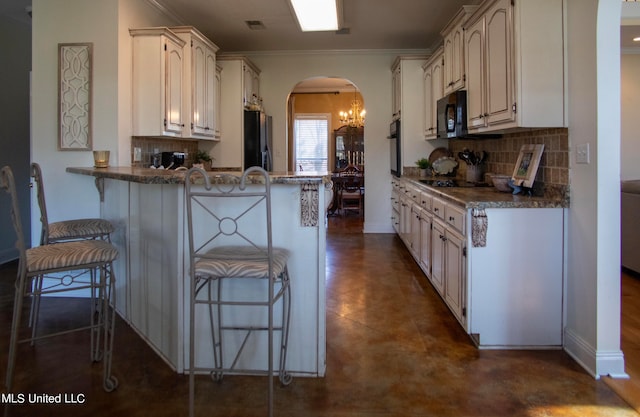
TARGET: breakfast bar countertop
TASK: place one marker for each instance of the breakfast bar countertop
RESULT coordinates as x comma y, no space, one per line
489,197
162,176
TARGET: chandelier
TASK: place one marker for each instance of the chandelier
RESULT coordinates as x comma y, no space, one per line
354,117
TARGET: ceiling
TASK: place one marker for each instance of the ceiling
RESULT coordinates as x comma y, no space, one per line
367,24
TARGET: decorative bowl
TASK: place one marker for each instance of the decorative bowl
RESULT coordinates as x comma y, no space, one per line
501,183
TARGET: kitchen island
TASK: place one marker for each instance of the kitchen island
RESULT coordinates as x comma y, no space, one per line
147,206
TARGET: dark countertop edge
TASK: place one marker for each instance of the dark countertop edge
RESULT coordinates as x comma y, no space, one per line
488,197
152,176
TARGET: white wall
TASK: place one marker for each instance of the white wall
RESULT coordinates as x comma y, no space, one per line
592,332
106,24
371,73
630,103
69,21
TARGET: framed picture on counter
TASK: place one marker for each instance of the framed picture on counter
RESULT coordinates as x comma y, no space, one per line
524,173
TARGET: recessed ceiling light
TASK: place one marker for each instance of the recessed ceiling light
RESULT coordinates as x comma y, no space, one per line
637,39
316,16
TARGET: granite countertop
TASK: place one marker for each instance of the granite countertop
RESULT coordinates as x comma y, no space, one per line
162,176
489,197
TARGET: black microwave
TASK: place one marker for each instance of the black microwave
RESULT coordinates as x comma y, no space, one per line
452,115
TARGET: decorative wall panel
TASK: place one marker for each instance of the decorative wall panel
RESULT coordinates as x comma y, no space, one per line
74,96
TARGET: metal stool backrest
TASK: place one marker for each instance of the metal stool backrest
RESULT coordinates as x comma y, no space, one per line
36,173
229,210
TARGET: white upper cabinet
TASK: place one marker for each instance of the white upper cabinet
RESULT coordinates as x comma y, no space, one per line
179,63
453,34
239,82
157,83
251,85
514,60
396,92
433,91
199,100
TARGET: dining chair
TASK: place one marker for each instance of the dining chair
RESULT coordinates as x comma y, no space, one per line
237,276
67,266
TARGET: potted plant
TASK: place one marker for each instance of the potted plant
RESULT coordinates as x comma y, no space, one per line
423,164
202,159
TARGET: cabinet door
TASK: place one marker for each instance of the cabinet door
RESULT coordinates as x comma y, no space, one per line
217,115
454,60
415,230
173,119
455,275
396,92
433,91
499,64
425,243
437,256
204,89
429,130
474,61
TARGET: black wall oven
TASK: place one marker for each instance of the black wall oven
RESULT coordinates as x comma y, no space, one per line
394,148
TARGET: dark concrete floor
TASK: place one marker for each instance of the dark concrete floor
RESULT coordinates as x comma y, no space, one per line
393,349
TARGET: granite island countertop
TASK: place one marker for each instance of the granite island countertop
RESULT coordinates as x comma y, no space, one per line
162,176
489,197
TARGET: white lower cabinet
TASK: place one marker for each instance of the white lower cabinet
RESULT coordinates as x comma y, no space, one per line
505,294
449,256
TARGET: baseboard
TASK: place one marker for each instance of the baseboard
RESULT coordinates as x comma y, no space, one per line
595,363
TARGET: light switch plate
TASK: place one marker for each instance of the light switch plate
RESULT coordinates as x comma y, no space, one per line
582,153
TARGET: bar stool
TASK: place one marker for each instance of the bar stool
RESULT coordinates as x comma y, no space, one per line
85,264
76,229
65,230
230,243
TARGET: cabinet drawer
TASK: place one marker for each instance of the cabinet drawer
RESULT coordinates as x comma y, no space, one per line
454,216
438,207
426,201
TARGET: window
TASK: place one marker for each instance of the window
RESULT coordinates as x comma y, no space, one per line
311,139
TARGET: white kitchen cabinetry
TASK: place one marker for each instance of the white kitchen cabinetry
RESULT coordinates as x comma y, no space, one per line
506,294
239,82
157,81
408,102
174,85
396,92
514,59
218,117
395,206
433,91
453,34
200,96
449,256
251,84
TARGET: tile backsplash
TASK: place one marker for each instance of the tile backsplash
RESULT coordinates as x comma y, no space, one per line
503,153
149,145
553,171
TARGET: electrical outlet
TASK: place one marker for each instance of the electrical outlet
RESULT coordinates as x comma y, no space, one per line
137,154
582,153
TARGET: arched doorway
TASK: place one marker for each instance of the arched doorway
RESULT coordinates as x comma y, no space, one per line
323,136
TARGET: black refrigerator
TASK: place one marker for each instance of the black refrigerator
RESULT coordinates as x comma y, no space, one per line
257,140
